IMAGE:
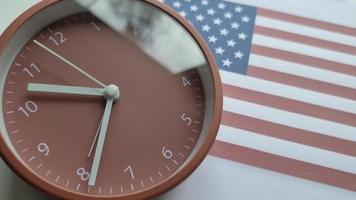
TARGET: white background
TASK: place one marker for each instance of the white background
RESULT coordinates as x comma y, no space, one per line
216,178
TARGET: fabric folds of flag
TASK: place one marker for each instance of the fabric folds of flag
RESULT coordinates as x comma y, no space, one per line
289,87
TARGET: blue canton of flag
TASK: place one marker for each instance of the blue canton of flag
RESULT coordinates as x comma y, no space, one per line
226,27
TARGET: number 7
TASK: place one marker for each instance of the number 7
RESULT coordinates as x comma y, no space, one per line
129,169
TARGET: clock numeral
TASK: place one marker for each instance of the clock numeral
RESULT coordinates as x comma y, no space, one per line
30,107
83,174
187,119
58,38
167,154
43,148
30,70
130,171
186,82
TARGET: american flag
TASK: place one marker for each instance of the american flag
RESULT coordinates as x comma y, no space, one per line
289,89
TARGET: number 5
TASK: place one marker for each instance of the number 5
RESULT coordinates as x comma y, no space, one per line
187,119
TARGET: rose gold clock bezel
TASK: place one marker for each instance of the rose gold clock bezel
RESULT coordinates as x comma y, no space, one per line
168,184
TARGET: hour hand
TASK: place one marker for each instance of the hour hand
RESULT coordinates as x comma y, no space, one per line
64,89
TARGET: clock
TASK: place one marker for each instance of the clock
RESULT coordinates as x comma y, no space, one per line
106,99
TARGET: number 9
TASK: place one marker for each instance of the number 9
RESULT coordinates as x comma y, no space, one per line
43,148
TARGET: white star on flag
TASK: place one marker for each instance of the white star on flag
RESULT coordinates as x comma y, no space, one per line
183,14
224,32
206,28
211,12
212,39
177,4
219,51
235,25
242,36
245,19
228,15
227,62
217,21
231,43
239,55
204,2
194,8
199,18
222,6
238,9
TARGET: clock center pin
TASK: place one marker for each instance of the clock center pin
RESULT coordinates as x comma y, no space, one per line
111,92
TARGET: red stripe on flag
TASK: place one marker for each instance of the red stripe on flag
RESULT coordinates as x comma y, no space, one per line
289,133
303,59
307,22
284,165
305,40
302,82
289,105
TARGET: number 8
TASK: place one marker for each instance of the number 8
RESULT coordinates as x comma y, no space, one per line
84,175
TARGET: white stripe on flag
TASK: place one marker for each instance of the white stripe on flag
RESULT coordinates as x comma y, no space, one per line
286,118
287,149
304,49
290,92
305,30
303,71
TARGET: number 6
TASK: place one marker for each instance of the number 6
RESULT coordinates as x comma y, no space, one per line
167,154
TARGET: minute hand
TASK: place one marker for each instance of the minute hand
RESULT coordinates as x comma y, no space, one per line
100,144
64,89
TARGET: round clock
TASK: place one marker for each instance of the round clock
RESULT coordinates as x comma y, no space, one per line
106,99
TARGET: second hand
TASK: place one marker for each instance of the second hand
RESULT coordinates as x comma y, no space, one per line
95,139
69,63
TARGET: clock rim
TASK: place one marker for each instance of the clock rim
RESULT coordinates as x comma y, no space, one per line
47,187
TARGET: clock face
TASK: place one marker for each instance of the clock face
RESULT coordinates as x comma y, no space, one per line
107,108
